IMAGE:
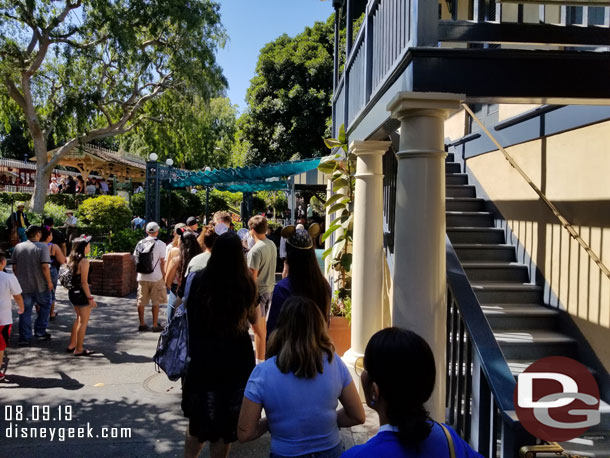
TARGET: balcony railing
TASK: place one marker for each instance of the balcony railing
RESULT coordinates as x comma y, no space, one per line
390,27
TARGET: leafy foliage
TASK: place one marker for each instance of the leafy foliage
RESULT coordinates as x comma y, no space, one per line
125,240
81,71
342,170
194,132
289,97
110,212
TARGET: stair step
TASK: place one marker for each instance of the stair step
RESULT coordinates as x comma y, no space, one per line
507,293
460,190
456,178
450,157
496,271
485,252
469,219
465,204
453,167
520,344
520,316
594,443
478,235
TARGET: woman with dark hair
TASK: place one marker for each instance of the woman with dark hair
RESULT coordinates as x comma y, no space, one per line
298,386
57,259
80,295
220,304
188,248
304,278
398,378
206,240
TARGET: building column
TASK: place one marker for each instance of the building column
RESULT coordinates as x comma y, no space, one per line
419,279
367,265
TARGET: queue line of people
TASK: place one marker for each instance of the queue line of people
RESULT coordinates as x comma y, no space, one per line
293,373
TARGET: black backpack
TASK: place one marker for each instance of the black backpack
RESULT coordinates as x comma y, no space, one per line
145,256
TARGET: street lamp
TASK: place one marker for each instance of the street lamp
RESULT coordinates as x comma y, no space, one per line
153,157
169,161
207,198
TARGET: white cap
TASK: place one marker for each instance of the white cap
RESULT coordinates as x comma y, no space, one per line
152,227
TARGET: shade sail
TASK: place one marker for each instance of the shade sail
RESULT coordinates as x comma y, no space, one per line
280,185
244,176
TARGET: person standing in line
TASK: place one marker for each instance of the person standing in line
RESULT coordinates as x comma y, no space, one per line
176,268
391,388
31,265
151,286
304,278
58,238
57,259
220,304
193,225
206,240
9,286
20,220
80,296
299,386
262,258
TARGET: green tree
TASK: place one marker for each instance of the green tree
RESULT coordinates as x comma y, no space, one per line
194,132
81,71
289,97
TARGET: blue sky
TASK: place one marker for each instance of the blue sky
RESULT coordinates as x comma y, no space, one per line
251,24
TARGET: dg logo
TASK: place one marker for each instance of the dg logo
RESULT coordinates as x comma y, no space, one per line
557,399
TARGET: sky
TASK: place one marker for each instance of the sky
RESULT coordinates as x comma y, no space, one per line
250,25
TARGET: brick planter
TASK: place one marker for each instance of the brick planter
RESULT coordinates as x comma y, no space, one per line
113,275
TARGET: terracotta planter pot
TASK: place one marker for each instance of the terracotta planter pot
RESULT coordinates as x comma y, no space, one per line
340,333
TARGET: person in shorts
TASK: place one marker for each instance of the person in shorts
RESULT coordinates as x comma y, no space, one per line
151,287
9,286
262,258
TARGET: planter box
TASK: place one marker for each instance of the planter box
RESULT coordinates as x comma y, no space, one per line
113,275
341,334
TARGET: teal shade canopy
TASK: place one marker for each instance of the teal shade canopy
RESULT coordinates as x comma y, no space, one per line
244,179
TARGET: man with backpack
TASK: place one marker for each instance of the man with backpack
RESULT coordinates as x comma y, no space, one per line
150,264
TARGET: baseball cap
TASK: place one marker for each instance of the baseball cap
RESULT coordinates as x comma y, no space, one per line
152,227
191,220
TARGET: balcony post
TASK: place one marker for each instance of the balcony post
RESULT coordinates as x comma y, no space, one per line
367,266
419,279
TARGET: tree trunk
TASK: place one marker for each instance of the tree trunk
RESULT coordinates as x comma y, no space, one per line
41,187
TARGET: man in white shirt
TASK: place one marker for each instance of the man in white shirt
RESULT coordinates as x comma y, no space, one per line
151,286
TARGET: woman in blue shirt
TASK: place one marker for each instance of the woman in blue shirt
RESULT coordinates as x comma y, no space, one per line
398,378
298,386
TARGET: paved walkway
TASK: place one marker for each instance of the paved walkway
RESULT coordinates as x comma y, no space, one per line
116,388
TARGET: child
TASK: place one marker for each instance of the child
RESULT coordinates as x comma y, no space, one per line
9,286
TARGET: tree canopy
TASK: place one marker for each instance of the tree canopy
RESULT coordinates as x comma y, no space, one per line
81,71
289,97
194,132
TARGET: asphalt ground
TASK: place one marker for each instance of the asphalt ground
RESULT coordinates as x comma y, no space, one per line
112,403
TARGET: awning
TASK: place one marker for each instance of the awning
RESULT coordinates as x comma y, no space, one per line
246,179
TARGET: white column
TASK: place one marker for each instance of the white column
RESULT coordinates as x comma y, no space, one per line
419,244
367,265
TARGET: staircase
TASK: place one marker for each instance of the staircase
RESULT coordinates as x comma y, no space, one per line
525,329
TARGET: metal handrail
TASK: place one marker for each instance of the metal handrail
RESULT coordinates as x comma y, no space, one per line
562,219
499,377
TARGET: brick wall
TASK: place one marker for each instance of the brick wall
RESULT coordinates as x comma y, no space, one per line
113,275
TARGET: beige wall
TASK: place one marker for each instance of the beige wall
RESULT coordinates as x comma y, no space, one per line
573,170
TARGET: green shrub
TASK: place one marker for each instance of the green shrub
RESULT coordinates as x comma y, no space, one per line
110,212
8,197
55,211
125,240
71,201
138,204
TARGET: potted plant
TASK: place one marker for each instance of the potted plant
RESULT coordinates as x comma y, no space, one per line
341,168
